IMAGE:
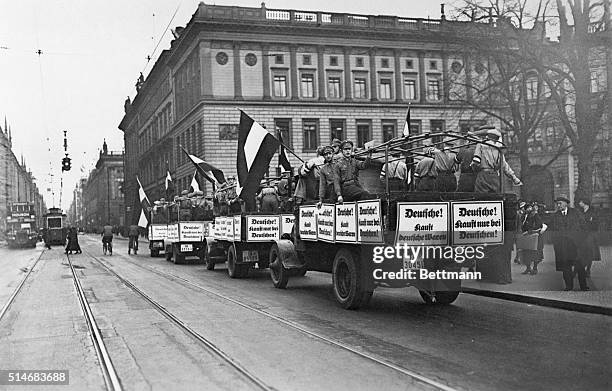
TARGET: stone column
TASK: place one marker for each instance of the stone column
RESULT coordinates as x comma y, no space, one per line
265,69
321,71
237,73
373,89
422,78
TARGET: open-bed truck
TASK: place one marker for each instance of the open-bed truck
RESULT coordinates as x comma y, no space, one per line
157,235
186,239
244,240
357,242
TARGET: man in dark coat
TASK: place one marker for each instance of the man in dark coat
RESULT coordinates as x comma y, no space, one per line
568,242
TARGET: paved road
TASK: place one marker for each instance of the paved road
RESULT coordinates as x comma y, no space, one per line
477,343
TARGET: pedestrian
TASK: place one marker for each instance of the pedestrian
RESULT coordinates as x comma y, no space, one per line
445,161
347,170
467,176
329,183
133,239
520,219
46,238
398,173
488,161
591,221
568,239
425,174
531,227
72,241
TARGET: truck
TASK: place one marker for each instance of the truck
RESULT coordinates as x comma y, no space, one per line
21,230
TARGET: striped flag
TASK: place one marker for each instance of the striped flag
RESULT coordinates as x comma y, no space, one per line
283,159
194,186
207,170
145,205
169,186
256,147
406,131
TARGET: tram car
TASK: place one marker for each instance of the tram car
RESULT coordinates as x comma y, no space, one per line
21,229
55,225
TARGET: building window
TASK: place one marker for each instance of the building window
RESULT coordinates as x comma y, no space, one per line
310,130
410,89
384,63
336,127
532,88
436,126
228,132
334,89
283,128
333,61
306,59
415,127
409,64
279,59
363,134
360,88
280,86
433,89
433,65
359,62
388,130
307,85
385,89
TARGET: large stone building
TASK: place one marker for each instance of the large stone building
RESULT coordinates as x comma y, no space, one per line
102,197
16,183
310,75
76,210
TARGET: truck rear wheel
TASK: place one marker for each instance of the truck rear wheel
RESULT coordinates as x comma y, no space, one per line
347,280
233,268
154,253
210,265
278,273
439,297
178,257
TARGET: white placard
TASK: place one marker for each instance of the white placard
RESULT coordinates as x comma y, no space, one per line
158,231
208,228
325,223
477,222
262,228
237,228
369,222
287,222
308,223
217,232
173,232
422,223
191,231
346,222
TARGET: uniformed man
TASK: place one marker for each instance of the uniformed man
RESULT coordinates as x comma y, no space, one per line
445,162
347,170
467,176
425,174
268,198
185,206
398,173
307,187
336,146
488,161
329,185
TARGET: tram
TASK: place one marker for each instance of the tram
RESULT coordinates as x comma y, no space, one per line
21,230
55,225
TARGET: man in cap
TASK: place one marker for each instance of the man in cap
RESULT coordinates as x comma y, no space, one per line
268,197
445,162
567,226
347,170
185,206
467,176
307,187
489,161
329,185
336,146
397,172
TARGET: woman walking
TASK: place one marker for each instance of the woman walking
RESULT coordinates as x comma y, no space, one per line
532,225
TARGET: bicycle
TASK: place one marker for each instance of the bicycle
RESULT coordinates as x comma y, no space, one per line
133,245
107,247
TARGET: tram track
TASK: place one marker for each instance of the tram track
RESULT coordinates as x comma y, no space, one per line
186,329
296,326
18,288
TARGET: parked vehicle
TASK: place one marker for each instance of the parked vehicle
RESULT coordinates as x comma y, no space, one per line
21,230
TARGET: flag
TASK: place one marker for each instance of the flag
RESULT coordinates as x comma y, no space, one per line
406,131
283,159
207,170
256,147
194,186
169,186
145,205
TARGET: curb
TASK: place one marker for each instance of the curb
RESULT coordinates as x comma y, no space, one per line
541,301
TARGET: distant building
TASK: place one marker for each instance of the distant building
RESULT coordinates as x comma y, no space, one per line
76,210
17,184
102,199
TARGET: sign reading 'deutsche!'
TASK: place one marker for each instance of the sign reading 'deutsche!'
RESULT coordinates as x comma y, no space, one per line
478,222
422,223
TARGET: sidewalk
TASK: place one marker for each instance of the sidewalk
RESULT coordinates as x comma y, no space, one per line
546,288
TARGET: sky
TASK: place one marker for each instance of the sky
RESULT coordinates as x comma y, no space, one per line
92,54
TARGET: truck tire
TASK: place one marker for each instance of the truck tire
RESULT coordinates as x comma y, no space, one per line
168,253
233,268
210,264
278,273
178,257
439,297
154,253
347,280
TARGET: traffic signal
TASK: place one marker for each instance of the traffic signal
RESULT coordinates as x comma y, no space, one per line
66,164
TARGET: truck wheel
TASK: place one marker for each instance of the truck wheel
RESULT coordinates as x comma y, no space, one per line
233,269
278,273
168,253
178,257
439,297
210,264
154,253
347,281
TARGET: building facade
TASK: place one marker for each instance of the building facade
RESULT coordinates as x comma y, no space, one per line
310,76
102,197
75,213
17,184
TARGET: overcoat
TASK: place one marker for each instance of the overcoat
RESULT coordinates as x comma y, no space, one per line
569,239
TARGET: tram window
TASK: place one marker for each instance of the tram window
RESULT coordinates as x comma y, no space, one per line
54,222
